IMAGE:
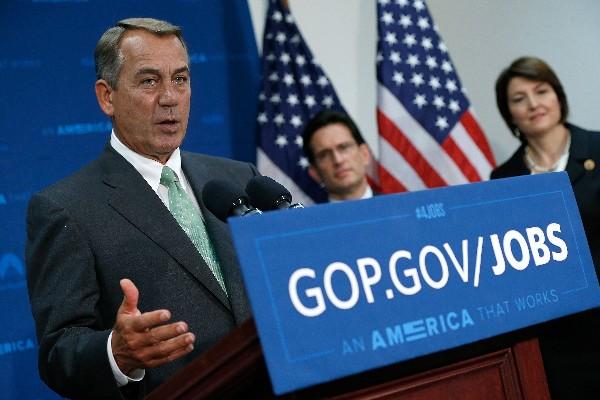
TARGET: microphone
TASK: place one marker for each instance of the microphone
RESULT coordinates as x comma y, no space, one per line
225,199
268,194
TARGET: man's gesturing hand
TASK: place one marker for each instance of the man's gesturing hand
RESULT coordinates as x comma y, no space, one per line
144,340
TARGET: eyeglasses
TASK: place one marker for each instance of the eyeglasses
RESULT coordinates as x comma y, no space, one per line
342,149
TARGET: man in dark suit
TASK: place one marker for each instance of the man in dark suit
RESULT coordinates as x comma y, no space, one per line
124,289
338,155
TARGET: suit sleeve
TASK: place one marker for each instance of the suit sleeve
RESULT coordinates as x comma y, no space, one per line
64,294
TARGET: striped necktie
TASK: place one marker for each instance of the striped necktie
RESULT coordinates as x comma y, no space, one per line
191,221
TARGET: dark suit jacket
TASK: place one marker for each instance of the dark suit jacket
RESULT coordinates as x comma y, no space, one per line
105,223
571,346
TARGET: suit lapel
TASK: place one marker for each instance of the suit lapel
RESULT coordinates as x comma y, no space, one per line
516,165
578,153
137,203
198,173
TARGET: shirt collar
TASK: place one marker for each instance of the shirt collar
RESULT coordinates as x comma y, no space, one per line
148,168
366,195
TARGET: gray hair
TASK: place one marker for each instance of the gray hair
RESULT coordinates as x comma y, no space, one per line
108,57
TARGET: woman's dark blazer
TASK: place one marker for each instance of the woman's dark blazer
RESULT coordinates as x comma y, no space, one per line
571,346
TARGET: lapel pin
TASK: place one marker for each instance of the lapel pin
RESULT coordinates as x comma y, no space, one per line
589,164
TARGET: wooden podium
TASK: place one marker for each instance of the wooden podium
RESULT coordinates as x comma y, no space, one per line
507,367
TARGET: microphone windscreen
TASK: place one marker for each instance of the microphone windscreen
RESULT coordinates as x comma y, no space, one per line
265,193
220,197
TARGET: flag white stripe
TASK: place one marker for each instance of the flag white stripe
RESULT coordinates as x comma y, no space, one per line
398,167
270,169
429,149
465,142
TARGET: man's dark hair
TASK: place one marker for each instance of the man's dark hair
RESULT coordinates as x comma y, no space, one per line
324,118
108,57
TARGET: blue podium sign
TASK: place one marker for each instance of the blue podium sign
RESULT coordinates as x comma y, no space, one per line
341,288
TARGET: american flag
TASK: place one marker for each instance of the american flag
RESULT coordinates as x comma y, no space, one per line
428,136
293,89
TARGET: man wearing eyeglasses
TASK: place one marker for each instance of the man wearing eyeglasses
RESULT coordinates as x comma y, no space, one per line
338,156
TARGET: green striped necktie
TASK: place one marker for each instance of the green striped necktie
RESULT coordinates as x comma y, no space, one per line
191,221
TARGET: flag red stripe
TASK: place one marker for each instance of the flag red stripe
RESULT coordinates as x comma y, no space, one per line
388,183
474,130
460,159
398,140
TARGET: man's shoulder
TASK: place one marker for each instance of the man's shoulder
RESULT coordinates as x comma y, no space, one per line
217,167
191,157
78,181
86,182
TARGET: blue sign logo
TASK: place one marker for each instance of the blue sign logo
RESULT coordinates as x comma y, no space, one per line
12,272
198,58
84,128
20,63
14,197
17,346
341,288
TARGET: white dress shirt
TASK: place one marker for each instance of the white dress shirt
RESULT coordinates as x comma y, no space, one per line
366,195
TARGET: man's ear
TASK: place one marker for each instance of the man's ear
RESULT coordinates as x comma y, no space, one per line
314,174
104,95
365,153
